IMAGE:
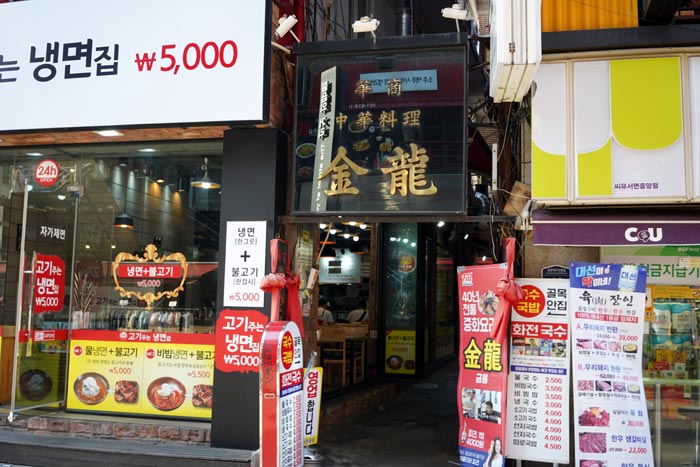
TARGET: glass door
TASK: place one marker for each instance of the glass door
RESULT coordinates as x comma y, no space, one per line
40,215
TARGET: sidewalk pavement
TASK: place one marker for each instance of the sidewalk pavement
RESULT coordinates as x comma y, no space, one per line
418,429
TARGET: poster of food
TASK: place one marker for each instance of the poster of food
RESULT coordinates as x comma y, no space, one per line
400,352
538,377
611,424
482,386
40,363
154,373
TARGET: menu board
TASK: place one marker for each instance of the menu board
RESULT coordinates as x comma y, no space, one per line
400,352
145,373
538,380
612,424
481,390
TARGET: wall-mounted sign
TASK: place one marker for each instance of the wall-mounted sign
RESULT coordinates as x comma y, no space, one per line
629,137
63,64
245,264
238,337
362,141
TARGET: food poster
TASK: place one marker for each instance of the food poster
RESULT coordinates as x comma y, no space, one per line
145,373
41,379
612,424
400,352
482,386
539,371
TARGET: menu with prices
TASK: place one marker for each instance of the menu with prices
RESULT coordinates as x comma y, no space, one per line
281,395
156,373
612,424
481,389
538,380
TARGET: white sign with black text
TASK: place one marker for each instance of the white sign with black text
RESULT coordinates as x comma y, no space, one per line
245,264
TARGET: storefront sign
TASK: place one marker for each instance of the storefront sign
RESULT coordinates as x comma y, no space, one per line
346,268
400,352
281,396
665,265
238,337
49,283
245,264
538,380
313,380
361,144
555,272
142,373
607,305
615,121
482,386
70,67
46,172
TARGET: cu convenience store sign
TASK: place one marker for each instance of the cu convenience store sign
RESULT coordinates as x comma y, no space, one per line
88,63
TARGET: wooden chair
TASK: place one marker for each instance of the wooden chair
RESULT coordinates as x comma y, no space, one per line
334,355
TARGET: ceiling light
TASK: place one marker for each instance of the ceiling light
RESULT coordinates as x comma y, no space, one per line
147,150
61,197
392,239
87,247
108,133
355,238
346,234
114,247
160,180
333,230
405,240
34,154
352,223
366,24
124,221
205,182
322,226
363,226
466,236
441,223
413,244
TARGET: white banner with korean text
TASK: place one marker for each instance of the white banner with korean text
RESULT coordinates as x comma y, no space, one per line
612,424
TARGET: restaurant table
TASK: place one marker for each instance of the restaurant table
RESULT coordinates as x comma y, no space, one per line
693,412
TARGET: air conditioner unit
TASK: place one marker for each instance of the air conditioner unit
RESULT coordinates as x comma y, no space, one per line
516,47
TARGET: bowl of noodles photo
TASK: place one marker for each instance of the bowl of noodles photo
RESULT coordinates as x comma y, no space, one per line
305,150
166,393
91,388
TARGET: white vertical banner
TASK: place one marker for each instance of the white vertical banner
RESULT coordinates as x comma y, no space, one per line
539,372
245,263
611,421
324,138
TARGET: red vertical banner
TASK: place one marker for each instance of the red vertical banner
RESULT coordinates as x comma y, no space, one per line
49,283
238,337
281,396
483,375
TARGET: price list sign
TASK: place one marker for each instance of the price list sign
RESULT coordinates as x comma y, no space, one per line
245,264
612,423
538,380
238,336
49,283
281,395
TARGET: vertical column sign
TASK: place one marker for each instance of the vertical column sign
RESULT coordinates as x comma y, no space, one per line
281,396
245,264
49,283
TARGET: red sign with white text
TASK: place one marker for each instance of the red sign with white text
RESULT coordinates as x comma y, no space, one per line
49,283
238,337
149,271
46,172
483,373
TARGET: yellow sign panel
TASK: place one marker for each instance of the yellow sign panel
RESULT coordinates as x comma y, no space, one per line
142,373
400,352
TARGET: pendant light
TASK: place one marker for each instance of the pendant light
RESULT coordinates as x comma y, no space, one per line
205,182
124,221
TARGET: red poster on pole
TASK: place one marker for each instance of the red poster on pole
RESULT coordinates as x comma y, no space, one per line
483,376
238,337
49,283
281,396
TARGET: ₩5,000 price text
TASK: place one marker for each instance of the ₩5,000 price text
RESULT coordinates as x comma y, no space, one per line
192,56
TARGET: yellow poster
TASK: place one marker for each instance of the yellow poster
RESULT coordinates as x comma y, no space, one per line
149,373
400,352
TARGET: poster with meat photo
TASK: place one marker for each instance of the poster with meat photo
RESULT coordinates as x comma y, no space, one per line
611,423
481,390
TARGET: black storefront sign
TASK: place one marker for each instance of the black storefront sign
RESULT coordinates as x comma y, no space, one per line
381,131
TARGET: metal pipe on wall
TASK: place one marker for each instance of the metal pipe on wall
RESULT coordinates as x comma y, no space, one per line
404,17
